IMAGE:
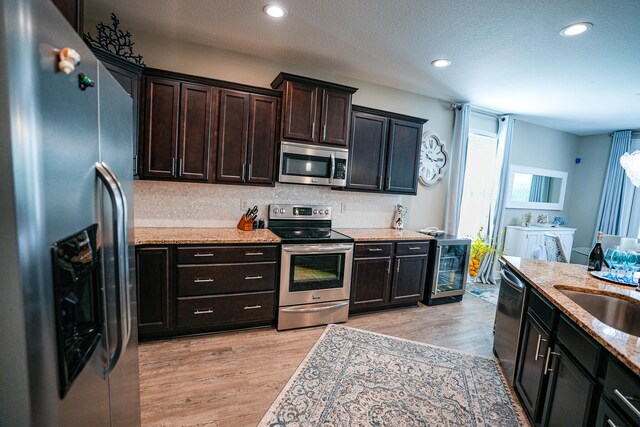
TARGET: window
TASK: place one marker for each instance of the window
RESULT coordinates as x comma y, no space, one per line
479,184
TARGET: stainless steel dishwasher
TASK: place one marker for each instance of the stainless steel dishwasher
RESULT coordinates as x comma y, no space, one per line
508,323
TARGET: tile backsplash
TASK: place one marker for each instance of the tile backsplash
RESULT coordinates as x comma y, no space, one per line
176,204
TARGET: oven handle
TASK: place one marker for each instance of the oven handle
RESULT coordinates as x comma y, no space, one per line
314,309
317,248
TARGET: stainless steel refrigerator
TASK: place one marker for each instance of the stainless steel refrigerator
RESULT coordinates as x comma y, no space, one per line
67,284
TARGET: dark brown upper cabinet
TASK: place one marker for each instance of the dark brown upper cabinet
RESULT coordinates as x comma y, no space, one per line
129,76
177,136
385,151
73,11
314,111
247,132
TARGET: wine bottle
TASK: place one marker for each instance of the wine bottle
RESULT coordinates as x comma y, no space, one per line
596,257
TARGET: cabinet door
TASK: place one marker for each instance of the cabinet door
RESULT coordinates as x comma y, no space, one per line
162,99
530,378
261,149
403,157
408,279
300,112
534,241
194,147
152,275
370,282
368,150
336,108
609,417
73,11
233,127
570,392
130,82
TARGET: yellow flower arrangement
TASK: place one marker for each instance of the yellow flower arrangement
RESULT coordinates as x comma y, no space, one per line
479,248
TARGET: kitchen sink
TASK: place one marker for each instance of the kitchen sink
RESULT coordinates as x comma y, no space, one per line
618,313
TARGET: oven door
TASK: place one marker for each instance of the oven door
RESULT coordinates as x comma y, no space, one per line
306,164
315,273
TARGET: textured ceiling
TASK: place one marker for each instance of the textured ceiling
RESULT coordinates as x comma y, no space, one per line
507,56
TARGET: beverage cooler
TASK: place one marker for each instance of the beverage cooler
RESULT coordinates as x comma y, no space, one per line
447,272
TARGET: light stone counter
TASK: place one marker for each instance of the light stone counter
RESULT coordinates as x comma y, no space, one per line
547,277
169,236
381,234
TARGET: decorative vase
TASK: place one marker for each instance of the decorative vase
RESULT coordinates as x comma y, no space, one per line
399,216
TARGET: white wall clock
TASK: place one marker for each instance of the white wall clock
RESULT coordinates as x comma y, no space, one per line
433,159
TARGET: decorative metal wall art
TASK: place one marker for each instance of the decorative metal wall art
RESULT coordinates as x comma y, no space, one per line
114,40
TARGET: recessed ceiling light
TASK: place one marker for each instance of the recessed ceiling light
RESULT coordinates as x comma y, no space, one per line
440,63
575,29
275,11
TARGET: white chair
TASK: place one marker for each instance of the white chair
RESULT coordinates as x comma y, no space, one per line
553,248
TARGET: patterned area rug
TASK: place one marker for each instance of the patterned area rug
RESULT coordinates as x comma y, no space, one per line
357,378
486,292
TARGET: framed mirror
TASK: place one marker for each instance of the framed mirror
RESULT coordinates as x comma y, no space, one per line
535,188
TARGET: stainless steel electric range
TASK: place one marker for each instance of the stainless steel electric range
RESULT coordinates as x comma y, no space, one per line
315,266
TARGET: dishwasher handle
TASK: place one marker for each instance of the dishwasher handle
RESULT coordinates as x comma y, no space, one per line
511,279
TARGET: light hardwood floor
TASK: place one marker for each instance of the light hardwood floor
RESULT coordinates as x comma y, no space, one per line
231,379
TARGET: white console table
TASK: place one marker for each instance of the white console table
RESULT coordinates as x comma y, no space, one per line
522,241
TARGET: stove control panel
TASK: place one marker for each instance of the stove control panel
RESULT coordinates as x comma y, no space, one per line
320,212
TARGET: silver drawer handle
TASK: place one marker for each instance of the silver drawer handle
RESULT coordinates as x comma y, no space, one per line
199,255
415,248
253,253
611,423
375,249
540,339
546,362
207,280
205,311
625,400
314,309
252,307
253,277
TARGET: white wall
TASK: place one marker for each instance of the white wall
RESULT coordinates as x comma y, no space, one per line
588,182
541,147
425,209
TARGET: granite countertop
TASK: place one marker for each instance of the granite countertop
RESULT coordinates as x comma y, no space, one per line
548,277
168,236
379,234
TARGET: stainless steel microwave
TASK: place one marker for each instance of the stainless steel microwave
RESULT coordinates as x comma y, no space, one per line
312,164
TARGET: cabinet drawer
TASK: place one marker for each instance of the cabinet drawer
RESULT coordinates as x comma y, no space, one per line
541,308
412,248
372,249
226,278
623,388
220,254
585,350
218,310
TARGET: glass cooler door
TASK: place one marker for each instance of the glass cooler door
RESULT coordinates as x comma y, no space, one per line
451,273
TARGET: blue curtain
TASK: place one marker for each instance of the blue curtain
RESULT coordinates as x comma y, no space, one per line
539,189
612,203
496,219
458,163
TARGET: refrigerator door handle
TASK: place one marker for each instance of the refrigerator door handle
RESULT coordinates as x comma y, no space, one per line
116,202
124,259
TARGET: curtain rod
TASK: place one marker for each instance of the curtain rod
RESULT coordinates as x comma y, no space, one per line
633,133
476,109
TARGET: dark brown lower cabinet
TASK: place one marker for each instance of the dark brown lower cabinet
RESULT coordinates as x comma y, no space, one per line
609,417
193,289
530,378
409,278
558,368
569,393
370,282
153,277
380,278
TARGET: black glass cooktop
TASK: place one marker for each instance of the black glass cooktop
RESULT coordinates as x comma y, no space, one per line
310,235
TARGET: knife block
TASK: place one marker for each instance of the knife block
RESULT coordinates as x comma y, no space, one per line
245,224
